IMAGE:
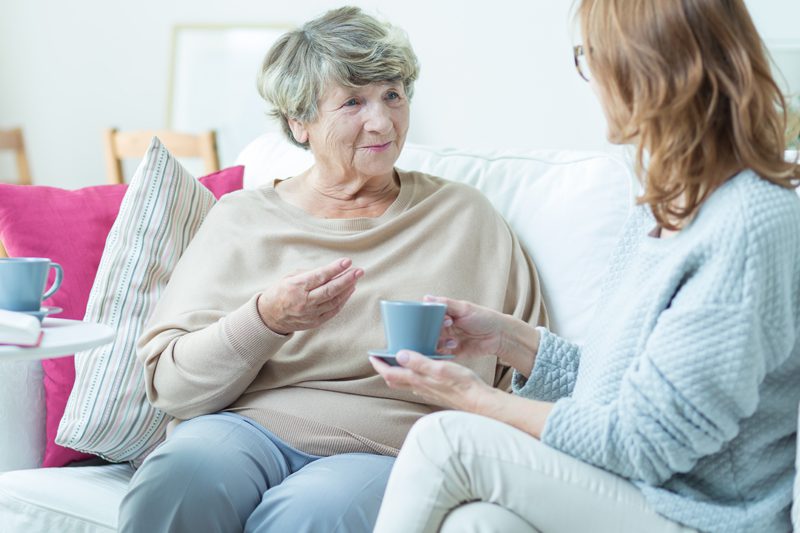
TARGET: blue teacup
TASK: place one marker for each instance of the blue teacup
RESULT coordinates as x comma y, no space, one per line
22,282
411,325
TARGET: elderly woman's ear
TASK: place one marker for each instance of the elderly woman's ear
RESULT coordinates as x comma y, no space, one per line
299,131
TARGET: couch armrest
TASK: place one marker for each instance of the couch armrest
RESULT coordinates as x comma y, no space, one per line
22,415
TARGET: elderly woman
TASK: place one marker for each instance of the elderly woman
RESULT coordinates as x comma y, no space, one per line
680,412
260,340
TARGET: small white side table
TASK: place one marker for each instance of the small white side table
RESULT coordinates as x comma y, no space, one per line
61,337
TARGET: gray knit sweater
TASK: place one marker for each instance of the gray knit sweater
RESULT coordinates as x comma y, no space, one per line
690,380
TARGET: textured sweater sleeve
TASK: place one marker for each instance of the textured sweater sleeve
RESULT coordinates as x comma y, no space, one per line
203,348
731,322
699,376
554,371
204,371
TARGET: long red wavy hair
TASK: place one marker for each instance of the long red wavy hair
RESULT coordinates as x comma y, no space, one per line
689,83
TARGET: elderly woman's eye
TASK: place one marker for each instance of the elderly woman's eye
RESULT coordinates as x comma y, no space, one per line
351,102
392,95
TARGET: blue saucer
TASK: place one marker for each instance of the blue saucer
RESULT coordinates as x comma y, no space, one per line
389,357
43,312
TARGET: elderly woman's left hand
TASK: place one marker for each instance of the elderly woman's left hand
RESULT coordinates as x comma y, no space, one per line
442,383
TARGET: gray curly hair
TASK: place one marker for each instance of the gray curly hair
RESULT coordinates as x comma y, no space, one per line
345,46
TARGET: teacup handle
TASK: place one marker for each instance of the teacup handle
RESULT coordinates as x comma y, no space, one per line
56,284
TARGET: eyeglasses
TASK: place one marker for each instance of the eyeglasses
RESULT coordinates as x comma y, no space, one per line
581,65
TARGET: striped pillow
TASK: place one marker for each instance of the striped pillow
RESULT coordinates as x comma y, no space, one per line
107,413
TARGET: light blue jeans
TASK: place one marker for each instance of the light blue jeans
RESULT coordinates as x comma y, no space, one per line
223,472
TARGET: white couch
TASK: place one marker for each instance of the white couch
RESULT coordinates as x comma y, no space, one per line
567,208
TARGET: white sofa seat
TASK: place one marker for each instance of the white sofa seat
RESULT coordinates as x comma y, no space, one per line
71,499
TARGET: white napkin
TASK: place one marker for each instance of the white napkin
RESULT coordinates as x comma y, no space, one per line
19,328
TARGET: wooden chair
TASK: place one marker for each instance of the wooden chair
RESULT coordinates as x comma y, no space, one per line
133,144
12,140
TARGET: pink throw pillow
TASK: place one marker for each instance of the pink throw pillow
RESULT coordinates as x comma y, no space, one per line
70,228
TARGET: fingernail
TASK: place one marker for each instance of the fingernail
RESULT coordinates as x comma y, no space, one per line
345,263
450,344
402,357
448,322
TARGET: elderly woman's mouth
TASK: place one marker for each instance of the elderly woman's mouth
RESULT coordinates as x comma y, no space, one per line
377,147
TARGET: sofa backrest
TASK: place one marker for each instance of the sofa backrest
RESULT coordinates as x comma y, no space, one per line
566,207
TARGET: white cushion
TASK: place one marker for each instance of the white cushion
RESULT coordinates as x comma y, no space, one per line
74,499
566,207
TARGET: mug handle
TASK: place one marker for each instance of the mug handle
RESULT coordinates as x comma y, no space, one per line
56,284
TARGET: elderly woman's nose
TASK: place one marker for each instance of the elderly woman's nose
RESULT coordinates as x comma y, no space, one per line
378,119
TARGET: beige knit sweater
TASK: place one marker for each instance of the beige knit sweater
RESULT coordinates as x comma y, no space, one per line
206,349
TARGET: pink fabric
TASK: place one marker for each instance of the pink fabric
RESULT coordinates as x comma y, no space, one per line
70,228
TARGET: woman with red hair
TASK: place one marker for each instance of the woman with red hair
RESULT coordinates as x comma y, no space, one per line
679,413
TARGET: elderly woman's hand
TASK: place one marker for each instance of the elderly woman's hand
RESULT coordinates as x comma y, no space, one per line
441,383
308,299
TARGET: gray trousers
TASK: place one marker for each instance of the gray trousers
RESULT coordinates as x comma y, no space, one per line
223,472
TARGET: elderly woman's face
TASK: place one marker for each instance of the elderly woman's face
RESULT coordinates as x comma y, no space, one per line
359,131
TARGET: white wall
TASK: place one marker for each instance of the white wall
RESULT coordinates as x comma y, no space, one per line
495,74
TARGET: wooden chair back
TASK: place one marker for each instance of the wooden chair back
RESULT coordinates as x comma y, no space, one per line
12,140
133,144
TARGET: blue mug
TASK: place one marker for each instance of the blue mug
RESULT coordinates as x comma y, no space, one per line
411,325
22,282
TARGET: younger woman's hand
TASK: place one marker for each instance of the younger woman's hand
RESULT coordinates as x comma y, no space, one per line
452,386
469,329
442,383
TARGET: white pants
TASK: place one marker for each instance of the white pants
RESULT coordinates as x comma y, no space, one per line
452,458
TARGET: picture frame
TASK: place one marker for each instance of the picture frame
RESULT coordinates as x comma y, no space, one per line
213,83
